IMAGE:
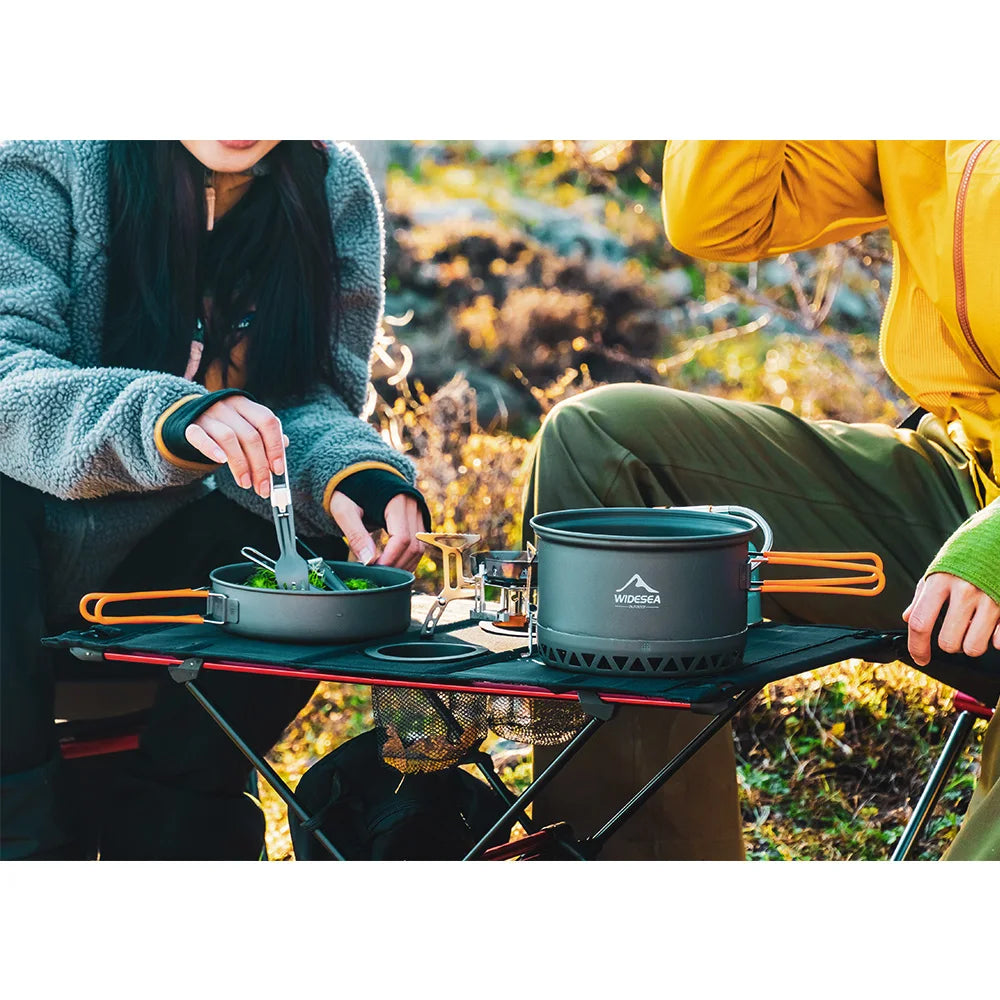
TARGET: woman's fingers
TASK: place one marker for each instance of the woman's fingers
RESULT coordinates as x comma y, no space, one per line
396,553
349,518
224,437
256,455
248,435
402,521
267,425
243,447
198,438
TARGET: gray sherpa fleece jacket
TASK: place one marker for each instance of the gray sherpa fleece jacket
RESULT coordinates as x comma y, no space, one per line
84,434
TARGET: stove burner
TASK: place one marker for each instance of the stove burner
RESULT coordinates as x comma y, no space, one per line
511,572
506,628
514,569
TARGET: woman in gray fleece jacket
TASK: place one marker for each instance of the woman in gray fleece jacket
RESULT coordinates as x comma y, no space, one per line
138,311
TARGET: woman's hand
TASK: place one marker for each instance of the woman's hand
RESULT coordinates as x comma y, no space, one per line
972,620
402,521
246,436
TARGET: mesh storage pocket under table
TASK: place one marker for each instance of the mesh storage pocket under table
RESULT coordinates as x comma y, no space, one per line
535,721
423,731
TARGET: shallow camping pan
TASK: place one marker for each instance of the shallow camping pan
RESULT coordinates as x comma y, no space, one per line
321,616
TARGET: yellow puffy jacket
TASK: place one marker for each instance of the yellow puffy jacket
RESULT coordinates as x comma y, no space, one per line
940,338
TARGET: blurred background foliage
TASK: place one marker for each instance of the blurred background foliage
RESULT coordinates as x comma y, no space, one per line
521,273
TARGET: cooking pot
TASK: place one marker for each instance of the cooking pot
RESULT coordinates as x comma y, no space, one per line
665,590
319,616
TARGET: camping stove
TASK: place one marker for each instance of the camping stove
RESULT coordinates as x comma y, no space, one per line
512,573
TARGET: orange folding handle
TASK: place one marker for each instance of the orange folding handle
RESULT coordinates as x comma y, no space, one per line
102,599
868,565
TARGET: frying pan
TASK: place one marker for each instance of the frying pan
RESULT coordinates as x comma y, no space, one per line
315,616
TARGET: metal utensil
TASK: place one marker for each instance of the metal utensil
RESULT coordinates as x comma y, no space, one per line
265,562
290,569
332,581
316,564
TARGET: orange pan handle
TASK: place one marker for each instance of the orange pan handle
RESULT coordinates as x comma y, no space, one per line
868,581
97,614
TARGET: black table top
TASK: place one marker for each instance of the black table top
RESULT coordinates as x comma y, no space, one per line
773,652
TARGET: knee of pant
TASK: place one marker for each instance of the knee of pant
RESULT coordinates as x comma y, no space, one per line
567,418
620,413
620,409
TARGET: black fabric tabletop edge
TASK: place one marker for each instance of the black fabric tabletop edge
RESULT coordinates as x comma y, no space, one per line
780,650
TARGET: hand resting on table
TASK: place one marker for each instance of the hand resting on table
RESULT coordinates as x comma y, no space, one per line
971,623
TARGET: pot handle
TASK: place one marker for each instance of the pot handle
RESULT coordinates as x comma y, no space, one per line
746,512
868,565
103,599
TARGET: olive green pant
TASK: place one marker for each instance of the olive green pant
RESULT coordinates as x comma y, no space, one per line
821,485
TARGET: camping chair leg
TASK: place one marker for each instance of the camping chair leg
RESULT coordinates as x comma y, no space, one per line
484,762
957,740
488,771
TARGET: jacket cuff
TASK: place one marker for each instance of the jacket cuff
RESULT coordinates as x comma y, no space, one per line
175,420
973,552
371,485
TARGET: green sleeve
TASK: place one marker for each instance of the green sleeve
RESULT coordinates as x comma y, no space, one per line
973,552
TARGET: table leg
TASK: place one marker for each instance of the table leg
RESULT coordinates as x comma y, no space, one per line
264,768
539,783
483,763
595,842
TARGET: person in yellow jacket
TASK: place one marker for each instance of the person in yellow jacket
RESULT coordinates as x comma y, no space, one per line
927,498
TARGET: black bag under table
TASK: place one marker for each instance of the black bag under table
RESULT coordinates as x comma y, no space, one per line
504,666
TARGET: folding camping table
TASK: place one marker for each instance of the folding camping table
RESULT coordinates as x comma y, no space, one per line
505,666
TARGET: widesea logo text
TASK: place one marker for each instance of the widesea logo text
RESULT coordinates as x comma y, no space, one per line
637,594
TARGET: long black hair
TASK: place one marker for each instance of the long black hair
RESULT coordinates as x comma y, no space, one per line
272,255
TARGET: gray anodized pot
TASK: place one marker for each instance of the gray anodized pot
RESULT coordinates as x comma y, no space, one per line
637,590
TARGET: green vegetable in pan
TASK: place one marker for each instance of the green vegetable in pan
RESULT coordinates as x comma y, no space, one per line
265,579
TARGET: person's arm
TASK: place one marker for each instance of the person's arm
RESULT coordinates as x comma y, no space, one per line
742,200
67,430
965,575
328,441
